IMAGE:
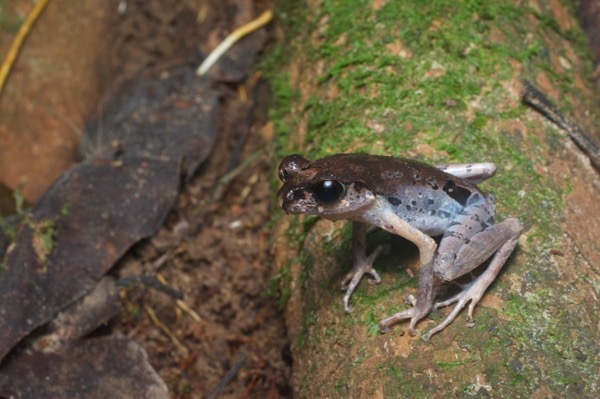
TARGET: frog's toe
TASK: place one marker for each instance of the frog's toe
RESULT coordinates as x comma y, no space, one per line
410,300
414,314
471,294
351,281
451,300
349,284
385,324
363,265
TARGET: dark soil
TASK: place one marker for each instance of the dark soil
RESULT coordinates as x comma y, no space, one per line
223,269
215,252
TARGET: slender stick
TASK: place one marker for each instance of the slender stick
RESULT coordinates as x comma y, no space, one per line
533,97
15,47
230,40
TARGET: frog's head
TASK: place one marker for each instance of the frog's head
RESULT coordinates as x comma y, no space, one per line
325,187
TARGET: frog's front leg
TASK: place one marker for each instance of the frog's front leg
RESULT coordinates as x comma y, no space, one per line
381,215
362,264
385,218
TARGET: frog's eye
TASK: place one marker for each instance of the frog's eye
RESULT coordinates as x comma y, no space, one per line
328,191
282,175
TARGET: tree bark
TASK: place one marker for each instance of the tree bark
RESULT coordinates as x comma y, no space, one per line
441,82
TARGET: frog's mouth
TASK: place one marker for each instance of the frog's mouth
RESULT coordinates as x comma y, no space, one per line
297,201
331,199
313,199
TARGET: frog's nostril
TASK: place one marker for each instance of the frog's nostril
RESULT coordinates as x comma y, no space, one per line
298,195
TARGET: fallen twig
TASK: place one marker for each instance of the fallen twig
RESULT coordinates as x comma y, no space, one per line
150,281
237,365
182,305
224,181
15,47
165,329
233,38
533,97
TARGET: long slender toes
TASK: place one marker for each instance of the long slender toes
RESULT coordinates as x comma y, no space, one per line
362,265
461,302
385,324
473,293
376,279
450,300
355,279
415,314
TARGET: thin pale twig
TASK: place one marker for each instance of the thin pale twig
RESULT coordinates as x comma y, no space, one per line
165,329
233,38
182,305
150,281
224,181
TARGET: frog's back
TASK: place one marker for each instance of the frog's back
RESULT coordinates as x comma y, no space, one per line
424,196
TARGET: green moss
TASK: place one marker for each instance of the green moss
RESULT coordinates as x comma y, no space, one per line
46,231
401,384
8,23
341,386
9,229
570,359
449,365
302,339
279,285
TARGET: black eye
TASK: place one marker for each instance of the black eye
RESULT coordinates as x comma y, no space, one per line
282,175
328,191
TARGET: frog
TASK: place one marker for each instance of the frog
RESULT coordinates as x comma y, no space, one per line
419,202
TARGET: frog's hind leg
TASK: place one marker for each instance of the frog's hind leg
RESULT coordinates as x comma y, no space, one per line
498,240
362,264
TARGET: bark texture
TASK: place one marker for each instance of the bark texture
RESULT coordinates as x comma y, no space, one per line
441,81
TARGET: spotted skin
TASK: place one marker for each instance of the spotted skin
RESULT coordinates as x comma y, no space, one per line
416,201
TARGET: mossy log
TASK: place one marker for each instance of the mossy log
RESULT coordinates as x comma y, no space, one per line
441,81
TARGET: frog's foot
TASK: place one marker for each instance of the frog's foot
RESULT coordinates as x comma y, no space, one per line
362,265
415,314
500,240
472,293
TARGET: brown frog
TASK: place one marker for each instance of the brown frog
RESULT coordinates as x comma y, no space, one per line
416,201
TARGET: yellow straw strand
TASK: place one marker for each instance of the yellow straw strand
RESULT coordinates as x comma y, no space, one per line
165,329
15,47
230,40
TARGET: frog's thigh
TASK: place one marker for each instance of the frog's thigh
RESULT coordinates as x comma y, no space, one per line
474,250
471,221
